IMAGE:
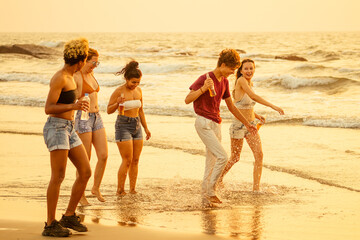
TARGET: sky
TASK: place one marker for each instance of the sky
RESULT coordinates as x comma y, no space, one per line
179,15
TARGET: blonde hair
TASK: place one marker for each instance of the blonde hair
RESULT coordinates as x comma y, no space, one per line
92,52
76,50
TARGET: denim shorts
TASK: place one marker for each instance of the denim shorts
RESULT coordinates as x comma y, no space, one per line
238,130
127,128
59,133
91,125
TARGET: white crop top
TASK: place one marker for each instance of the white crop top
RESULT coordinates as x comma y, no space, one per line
131,104
245,103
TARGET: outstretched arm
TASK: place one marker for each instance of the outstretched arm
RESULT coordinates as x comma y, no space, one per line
244,85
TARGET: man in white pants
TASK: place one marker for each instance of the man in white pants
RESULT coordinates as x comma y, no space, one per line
206,94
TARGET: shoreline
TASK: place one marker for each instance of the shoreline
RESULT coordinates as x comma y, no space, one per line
288,207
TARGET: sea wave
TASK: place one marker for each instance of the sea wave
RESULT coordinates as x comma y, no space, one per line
309,67
292,82
52,44
333,123
25,101
25,77
149,68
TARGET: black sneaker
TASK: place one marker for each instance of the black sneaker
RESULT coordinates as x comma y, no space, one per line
73,222
55,230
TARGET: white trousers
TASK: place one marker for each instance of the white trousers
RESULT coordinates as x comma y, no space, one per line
216,157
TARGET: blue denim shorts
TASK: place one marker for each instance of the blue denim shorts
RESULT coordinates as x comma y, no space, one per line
127,128
91,125
59,133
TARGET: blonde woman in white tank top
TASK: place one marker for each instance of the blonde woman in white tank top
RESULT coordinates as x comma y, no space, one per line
245,99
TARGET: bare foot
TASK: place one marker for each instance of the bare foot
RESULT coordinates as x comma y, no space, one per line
214,199
120,193
97,193
133,192
84,202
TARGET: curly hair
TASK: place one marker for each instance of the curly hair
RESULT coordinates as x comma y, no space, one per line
131,70
75,51
229,57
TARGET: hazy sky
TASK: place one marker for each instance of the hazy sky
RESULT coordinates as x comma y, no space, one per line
178,15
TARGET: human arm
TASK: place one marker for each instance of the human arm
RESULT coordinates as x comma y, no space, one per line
57,84
114,101
244,85
79,82
233,109
261,118
194,94
143,120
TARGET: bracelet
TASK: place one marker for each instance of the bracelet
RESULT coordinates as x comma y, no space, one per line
201,91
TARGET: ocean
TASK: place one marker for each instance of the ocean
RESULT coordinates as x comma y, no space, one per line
313,76
322,91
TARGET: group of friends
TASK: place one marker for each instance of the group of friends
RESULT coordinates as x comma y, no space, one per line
67,135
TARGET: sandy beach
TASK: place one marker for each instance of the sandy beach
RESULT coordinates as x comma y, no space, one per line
291,205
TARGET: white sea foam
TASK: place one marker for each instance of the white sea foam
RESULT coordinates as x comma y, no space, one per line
24,77
291,82
51,44
333,123
349,70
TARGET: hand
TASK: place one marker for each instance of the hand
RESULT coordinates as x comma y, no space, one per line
148,134
82,105
261,118
208,83
252,129
120,99
279,110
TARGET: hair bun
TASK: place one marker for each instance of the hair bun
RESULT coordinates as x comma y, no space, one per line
132,64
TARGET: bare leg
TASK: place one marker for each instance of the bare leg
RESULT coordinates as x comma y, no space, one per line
126,152
86,139
58,160
236,147
80,160
101,148
255,145
133,170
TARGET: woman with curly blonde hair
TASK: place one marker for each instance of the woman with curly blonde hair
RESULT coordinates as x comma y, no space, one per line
63,142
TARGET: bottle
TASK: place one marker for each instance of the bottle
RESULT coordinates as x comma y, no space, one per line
212,92
85,114
212,89
121,106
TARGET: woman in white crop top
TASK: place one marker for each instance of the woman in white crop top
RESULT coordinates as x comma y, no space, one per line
245,99
127,99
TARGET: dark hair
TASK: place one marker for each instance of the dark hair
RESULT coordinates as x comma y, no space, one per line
76,51
131,70
230,57
238,73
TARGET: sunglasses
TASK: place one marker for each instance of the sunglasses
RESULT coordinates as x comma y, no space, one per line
95,63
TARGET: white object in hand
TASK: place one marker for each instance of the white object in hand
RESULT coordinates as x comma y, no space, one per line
85,114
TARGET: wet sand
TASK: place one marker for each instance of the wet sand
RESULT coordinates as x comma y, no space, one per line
168,203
